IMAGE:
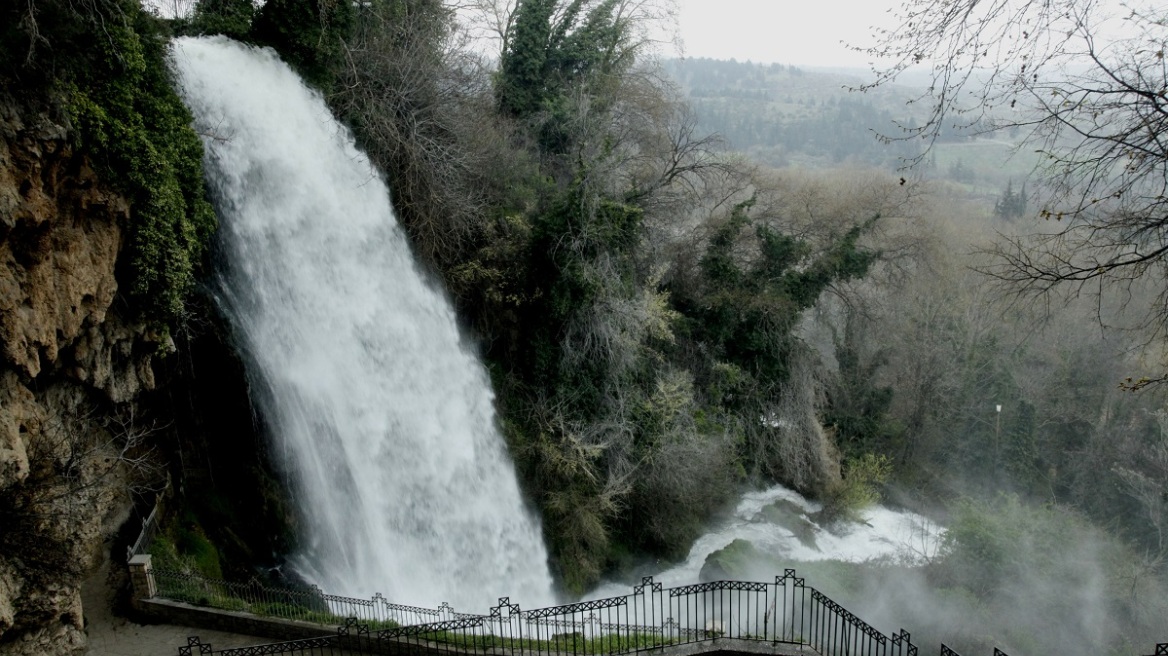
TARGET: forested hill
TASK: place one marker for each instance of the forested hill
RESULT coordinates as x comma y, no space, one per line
791,116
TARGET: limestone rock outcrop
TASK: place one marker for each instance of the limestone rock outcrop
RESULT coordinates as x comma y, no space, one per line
71,366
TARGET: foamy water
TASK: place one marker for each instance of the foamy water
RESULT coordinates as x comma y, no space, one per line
384,420
883,533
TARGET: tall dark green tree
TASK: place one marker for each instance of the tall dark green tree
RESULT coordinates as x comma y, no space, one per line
745,306
1011,205
523,85
559,49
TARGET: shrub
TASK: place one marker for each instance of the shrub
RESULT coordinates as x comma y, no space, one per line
859,488
107,62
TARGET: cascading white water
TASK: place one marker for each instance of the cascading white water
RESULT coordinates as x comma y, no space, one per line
883,533
385,418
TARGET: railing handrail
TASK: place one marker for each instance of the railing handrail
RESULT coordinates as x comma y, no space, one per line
146,534
612,626
689,613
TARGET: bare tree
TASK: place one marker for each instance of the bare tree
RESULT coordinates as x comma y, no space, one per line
80,455
417,101
1088,88
489,19
1149,488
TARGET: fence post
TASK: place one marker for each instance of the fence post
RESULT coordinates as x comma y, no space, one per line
142,578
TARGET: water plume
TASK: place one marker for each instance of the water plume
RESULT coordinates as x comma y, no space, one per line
382,415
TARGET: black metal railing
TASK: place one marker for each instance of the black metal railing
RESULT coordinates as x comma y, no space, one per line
786,611
355,638
146,535
327,646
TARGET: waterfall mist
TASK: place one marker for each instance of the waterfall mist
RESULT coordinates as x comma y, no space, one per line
382,415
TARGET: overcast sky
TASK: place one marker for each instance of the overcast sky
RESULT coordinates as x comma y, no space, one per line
803,32
814,33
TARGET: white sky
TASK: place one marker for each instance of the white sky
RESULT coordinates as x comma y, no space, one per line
814,32
802,32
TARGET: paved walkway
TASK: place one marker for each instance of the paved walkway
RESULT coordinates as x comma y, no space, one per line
110,635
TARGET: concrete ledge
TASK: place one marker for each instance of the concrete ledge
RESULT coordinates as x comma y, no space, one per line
732,646
279,630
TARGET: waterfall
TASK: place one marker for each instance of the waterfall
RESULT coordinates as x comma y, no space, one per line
383,416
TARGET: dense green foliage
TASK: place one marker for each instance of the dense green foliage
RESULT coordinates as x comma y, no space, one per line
231,18
107,62
630,382
557,50
307,33
182,546
745,314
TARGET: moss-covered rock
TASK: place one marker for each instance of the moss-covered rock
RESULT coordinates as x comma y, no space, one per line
732,562
791,516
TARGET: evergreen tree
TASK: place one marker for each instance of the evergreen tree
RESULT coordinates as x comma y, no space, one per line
522,85
1011,205
554,49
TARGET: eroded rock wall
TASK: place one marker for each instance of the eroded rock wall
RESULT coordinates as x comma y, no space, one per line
70,368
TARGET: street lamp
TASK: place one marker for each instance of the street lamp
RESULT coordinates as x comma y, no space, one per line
997,434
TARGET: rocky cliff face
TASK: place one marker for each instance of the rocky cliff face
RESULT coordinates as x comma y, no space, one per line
71,366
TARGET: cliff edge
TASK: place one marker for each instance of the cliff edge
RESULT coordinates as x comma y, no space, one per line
70,367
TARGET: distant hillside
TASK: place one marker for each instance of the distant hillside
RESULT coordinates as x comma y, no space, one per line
784,115
808,118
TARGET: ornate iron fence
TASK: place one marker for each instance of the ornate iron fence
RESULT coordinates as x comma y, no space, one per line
309,647
617,625
651,617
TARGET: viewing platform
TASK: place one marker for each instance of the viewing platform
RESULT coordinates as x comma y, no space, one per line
783,617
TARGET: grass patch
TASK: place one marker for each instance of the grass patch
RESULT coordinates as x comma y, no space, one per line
575,642
231,597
